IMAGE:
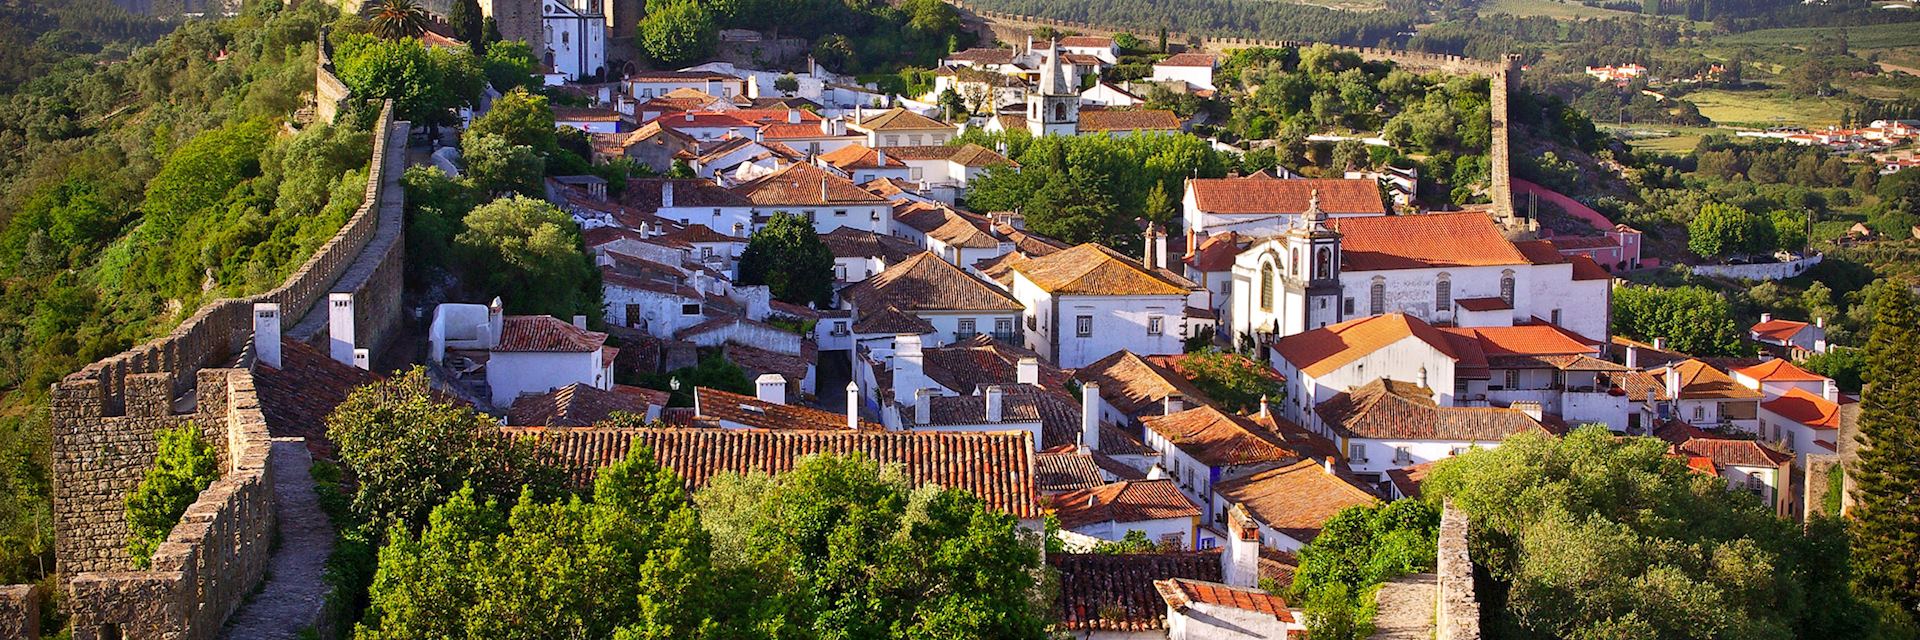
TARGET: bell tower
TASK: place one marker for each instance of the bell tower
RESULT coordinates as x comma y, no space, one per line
1053,107
1314,291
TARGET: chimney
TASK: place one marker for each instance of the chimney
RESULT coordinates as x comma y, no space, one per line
700,282
1659,344
823,190
1090,415
793,116
1156,472
266,333
362,360
1326,464
580,322
1673,382
1027,371
1240,561
907,359
826,127
1820,322
1766,317
996,403
1266,413
496,320
1830,390
1529,407
1423,377
880,157
772,388
666,194
922,406
340,327
853,407
1173,404
1633,358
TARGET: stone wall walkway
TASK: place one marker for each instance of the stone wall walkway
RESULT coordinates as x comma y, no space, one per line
294,595
1405,608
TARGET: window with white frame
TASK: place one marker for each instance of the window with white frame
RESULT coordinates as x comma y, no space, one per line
1699,412
1402,455
1155,325
1083,326
1003,326
1357,452
967,327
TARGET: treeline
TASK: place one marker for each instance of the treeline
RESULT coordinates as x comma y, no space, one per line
849,37
1091,188
37,36
1237,18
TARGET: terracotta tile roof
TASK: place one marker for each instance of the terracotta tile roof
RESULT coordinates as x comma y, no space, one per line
802,131
714,404
1540,252
966,155
1779,370
1217,252
1218,439
1092,269
1408,479
983,55
1780,330
997,467
579,405
1116,592
1527,339
924,282
546,334
1584,268
1805,408
848,242
1094,120
1296,500
950,411
1574,243
699,233
900,119
1181,593
1086,41
1321,351
803,184
1641,386
1700,380
1000,269
614,276
1425,241
1056,472
585,114
982,360
1189,59
644,194
757,361
677,76
1011,121
1123,502
961,230
296,398
1484,304
1133,385
1264,195
1688,441
891,321
1030,243
1380,410
1113,466
602,235
856,156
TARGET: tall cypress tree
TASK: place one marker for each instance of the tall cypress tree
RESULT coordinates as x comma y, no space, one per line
1887,494
465,19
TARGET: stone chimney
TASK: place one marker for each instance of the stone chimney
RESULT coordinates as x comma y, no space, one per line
922,406
1173,404
1830,390
666,193
1027,371
266,333
340,327
1240,560
996,403
771,388
1156,247
580,322
1531,408
1766,317
1090,415
853,407
907,363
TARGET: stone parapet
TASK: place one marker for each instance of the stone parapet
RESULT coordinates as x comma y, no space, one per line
1457,612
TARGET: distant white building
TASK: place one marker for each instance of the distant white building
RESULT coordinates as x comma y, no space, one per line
1200,610
1193,68
576,38
1087,302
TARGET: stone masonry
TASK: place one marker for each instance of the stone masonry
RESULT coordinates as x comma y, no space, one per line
20,612
1457,611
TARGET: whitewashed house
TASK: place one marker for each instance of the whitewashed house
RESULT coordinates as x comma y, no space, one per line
1706,397
1291,504
1262,203
1200,610
1155,508
1203,447
1386,425
822,197
692,201
1747,465
899,127
956,304
1087,302
649,84
518,354
858,255
1193,68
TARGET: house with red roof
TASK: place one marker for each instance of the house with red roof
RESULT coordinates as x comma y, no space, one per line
499,358
1111,511
1261,202
1746,464
1790,338
1199,610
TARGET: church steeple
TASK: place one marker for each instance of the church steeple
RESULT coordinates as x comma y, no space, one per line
1053,107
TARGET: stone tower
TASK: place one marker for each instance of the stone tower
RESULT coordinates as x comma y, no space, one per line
1053,107
518,20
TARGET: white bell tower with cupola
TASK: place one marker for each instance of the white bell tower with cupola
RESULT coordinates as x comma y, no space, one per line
1313,289
1053,107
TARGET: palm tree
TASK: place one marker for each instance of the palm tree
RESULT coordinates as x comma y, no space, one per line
396,19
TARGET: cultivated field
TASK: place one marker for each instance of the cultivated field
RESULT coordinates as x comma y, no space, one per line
1766,108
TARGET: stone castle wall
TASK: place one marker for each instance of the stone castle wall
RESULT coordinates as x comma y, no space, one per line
1501,75
1457,611
328,91
105,417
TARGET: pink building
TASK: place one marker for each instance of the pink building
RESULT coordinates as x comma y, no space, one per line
1617,250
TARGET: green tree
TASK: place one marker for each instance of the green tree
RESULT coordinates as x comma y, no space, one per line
496,166
678,32
1693,319
630,563
425,84
1847,367
1331,613
1233,380
1888,471
1789,230
396,19
788,257
182,467
464,17
520,118
409,448
1722,230
786,84
844,547
510,65
528,252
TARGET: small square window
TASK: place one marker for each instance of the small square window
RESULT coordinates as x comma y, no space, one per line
1402,455
690,309
1357,452
967,328
1083,326
1156,325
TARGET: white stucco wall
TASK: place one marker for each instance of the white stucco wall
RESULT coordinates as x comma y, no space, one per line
512,373
1119,323
1156,530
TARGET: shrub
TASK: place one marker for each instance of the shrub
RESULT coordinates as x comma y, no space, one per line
184,466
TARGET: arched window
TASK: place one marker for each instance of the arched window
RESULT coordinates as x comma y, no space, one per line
565,37
1377,304
1442,293
1266,286
1323,264
549,58
1506,286
1059,112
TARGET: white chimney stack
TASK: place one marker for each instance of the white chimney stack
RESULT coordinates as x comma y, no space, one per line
1659,344
580,322
666,193
1090,415
1830,390
823,190
1766,317
922,406
1173,404
1265,411
340,327
1633,358
266,333
1027,371
880,157
362,360
996,403
853,407
496,321
1157,472
1240,561
1673,382
772,388
907,359
1326,464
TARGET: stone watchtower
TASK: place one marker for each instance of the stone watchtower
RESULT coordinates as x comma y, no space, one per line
518,20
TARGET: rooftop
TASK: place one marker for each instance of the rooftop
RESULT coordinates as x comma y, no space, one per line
1092,269
1123,502
546,334
1323,350
924,282
1432,240
1188,59
848,242
1218,439
1094,120
1181,593
1055,472
900,119
1295,500
803,184
1381,409
1132,384
1693,443
1805,408
1260,194
966,155
1116,592
1699,380
581,405
1780,330
856,156
714,404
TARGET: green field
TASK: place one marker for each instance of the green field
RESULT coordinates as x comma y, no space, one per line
1879,36
1766,108
1679,141
1550,9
